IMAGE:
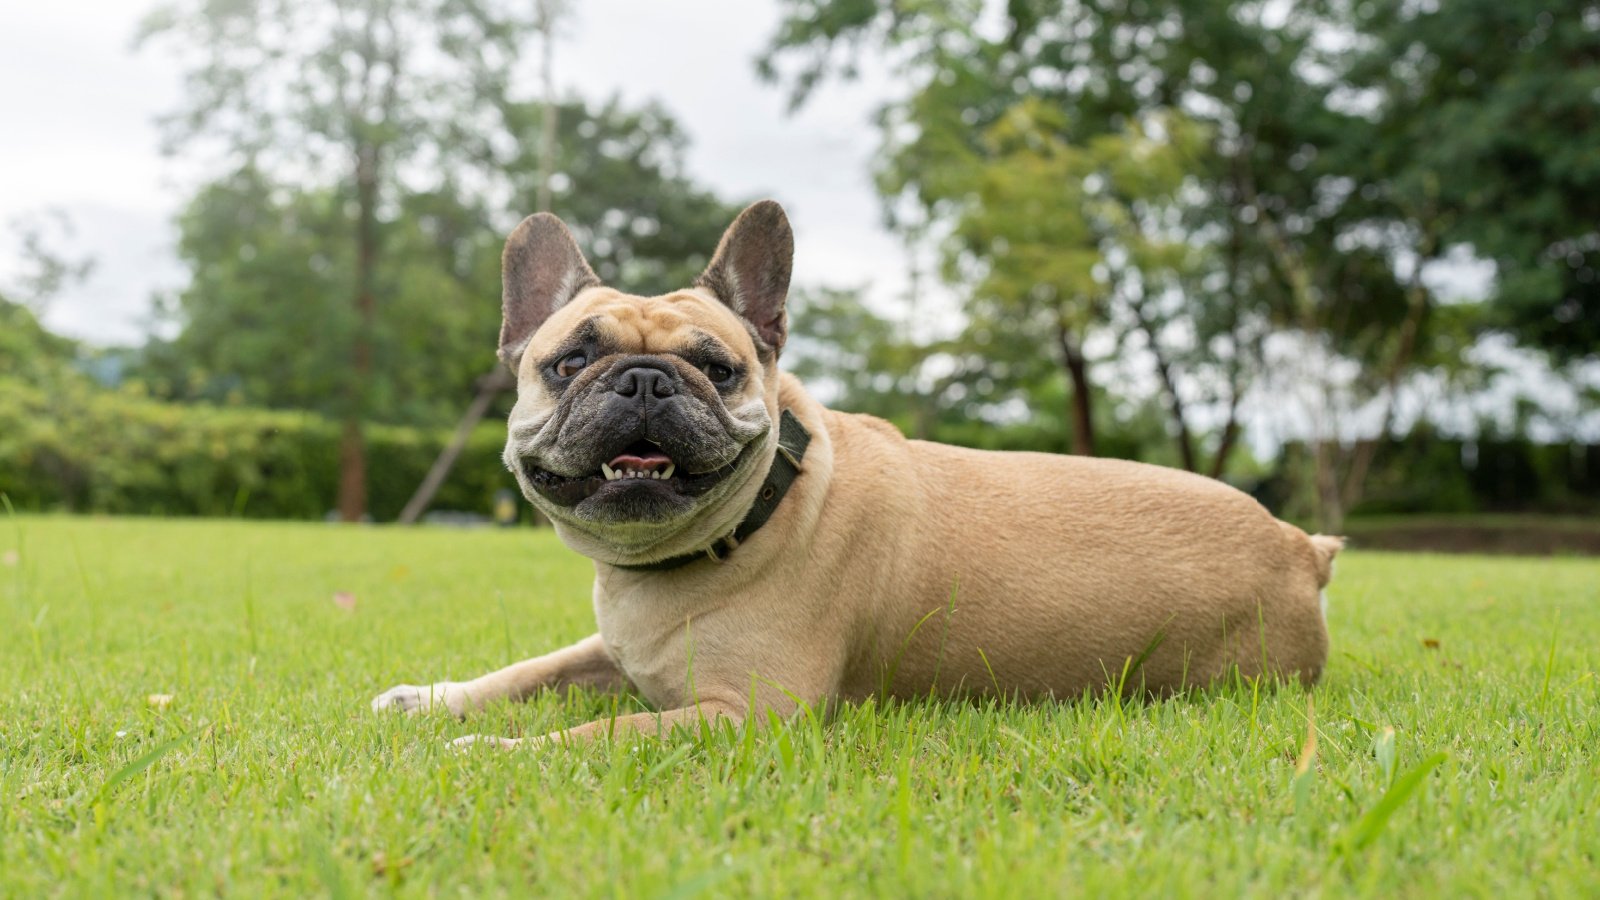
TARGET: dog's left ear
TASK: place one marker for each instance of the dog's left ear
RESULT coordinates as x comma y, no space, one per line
750,271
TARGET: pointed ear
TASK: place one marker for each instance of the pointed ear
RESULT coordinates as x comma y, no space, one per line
750,272
541,271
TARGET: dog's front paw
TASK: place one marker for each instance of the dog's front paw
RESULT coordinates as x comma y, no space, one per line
411,698
474,741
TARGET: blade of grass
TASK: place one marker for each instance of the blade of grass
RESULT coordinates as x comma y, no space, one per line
1369,826
142,763
1305,768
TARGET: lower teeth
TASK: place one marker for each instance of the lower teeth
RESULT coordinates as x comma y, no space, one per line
611,474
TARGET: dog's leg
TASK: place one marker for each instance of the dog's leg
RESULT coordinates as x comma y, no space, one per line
651,724
584,663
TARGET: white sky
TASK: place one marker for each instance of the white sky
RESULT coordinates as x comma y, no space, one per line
78,108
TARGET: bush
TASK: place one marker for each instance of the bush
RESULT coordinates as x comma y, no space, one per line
73,446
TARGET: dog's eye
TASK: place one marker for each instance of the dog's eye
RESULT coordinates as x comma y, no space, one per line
718,373
571,364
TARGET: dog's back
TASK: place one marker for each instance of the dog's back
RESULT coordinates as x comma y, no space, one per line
1040,574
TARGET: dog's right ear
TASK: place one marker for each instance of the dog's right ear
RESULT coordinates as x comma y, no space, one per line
541,271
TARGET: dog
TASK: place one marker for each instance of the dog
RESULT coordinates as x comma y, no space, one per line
755,551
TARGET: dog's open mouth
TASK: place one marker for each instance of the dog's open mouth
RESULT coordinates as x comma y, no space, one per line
642,460
639,466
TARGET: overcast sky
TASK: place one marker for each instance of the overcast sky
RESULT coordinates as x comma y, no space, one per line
79,107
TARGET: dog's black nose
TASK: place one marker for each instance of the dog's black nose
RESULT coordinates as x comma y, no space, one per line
644,379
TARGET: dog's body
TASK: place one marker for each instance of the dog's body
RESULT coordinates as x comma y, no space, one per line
894,566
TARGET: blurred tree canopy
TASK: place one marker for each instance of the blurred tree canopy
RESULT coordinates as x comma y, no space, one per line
358,101
28,350
374,153
1201,180
1491,110
1153,218
262,321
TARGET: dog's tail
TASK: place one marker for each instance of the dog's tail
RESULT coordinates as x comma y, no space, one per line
1324,547
1320,548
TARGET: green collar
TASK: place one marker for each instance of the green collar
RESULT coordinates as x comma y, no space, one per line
792,442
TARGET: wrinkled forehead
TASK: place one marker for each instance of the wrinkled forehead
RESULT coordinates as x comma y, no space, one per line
669,323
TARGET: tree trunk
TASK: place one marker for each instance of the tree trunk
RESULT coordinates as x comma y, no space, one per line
1169,386
352,471
1082,402
1230,438
352,444
1230,429
1416,308
489,387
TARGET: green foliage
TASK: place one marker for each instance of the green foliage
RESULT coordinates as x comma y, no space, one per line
267,775
977,390
621,185
1429,473
1488,112
81,448
357,105
265,320
1104,170
27,349
1184,181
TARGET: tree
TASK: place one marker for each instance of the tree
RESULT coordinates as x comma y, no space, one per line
263,320
1492,110
1064,237
1106,71
260,322
620,182
357,98
1296,222
27,350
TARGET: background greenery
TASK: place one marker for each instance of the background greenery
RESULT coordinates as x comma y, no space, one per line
1182,231
267,774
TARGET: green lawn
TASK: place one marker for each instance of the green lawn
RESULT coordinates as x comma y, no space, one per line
267,774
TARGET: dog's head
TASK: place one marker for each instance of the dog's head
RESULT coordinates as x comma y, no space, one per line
644,425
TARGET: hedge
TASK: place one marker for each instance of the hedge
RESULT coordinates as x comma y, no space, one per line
76,447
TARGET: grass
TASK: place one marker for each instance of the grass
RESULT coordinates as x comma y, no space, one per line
1453,752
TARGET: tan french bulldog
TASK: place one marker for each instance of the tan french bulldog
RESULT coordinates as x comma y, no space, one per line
755,551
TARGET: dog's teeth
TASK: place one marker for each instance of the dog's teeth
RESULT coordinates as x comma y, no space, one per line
610,473
667,472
